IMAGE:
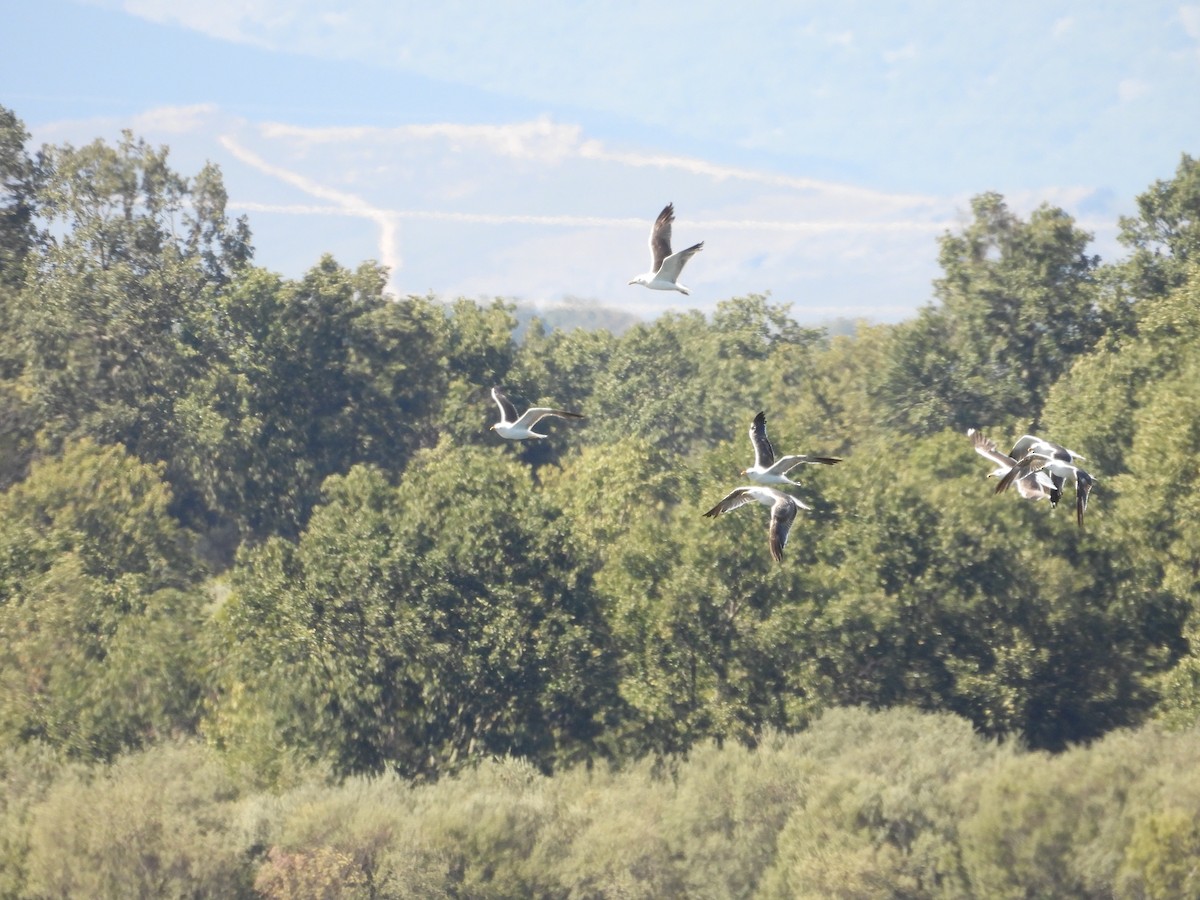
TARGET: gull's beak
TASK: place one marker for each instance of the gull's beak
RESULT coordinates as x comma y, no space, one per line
634,281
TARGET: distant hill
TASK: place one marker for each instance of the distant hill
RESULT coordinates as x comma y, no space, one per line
577,312
573,313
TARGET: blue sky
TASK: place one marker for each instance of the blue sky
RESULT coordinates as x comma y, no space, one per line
522,150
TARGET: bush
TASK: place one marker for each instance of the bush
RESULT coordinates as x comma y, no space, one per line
27,773
166,822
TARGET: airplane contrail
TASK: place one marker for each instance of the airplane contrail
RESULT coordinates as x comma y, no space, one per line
347,204
813,227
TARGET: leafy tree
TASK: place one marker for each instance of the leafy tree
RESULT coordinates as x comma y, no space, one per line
417,628
1062,825
223,247
995,608
1094,405
1130,411
18,236
18,189
307,379
878,807
112,327
477,355
1164,236
99,599
1158,838
680,381
830,391
558,368
1017,306
706,625
727,811
1161,496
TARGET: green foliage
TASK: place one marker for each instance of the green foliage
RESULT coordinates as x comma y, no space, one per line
162,824
420,626
1134,413
98,605
27,773
112,324
309,382
1017,306
863,804
679,381
1162,854
18,186
399,593
1165,234
878,810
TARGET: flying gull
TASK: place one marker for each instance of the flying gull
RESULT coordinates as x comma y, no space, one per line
783,512
1056,461
1035,485
520,428
665,266
1029,443
769,470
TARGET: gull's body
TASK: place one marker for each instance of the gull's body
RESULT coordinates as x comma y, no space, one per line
1041,461
520,427
1034,485
783,512
1044,457
1031,443
1027,442
769,470
665,266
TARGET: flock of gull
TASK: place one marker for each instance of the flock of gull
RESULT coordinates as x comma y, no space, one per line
1039,469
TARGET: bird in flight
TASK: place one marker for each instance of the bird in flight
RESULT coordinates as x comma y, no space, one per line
783,512
768,469
1032,485
1033,454
520,427
665,266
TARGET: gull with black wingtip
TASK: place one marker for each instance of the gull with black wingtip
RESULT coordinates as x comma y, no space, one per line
1032,485
516,427
783,512
769,470
1056,461
665,266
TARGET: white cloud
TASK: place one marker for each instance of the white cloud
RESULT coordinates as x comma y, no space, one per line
160,120
546,210
901,54
716,172
175,119
540,139
243,21
816,226
1190,16
1130,89
1062,26
334,19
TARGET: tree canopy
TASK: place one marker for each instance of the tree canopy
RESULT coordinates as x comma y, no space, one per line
267,516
